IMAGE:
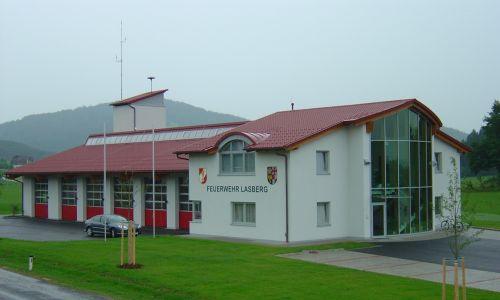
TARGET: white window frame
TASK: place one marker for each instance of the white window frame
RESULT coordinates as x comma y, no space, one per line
246,155
41,191
123,193
68,191
244,221
325,207
438,156
160,195
322,162
94,191
197,214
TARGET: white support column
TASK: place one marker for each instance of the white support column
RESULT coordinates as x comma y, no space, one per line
108,199
173,202
55,198
28,196
138,200
81,199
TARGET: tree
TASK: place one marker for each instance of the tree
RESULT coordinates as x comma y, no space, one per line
457,220
486,153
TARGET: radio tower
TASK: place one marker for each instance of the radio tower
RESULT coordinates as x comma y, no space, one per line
122,40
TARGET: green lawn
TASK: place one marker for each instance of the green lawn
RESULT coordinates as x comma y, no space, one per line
10,194
486,206
182,268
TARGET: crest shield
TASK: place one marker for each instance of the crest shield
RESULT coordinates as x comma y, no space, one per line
202,172
272,175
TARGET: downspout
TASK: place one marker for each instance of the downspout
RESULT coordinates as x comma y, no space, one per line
134,114
286,197
22,195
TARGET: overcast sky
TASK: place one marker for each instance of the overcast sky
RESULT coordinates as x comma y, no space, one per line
249,58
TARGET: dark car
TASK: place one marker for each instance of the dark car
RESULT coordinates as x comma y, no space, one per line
114,225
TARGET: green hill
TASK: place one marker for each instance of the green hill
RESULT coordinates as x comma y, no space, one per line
54,132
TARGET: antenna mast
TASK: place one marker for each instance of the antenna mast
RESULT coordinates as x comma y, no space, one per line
122,40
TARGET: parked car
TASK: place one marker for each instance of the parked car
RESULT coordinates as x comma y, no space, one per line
114,225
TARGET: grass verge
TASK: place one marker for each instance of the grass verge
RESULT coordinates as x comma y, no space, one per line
181,268
486,208
10,194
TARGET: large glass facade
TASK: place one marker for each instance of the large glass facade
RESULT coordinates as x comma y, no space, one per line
401,172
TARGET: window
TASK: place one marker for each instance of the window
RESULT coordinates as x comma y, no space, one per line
41,190
322,162
68,191
94,192
243,213
234,159
323,213
438,204
160,194
197,211
438,156
123,192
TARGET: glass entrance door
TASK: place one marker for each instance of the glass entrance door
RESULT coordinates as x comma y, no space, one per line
378,217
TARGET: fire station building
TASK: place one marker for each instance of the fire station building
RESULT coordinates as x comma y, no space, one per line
365,170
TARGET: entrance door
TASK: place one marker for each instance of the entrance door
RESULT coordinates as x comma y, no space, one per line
378,218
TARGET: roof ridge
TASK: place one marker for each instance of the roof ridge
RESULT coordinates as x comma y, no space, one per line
347,105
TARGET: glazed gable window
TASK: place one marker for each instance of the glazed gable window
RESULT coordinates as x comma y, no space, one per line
235,160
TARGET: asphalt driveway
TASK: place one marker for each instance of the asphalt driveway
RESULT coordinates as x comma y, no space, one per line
23,228
32,229
481,255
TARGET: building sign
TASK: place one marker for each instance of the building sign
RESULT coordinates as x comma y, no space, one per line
202,172
272,175
237,189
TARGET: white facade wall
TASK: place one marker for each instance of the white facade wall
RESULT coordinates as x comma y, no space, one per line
307,188
28,196
440,179
216,206
108,196
138,196
172,202
123,118
359,172
54,206
149,114
81,199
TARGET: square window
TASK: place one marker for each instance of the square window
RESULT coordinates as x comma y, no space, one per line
323,209
243,213
438,157
322,162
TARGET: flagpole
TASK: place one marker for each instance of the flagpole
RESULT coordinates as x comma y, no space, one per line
154,188
105,183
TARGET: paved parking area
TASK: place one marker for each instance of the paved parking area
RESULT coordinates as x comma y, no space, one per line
418,259
481,255
32,229
23,228
397,267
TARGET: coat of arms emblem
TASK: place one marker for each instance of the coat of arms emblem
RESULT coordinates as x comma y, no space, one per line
202,172
272,175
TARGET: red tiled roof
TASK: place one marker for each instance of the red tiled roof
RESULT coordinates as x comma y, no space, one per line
286,129
133,157
137,98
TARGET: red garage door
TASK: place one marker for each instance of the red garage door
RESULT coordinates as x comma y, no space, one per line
41,198
160,202
68,198
94,196
123,197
